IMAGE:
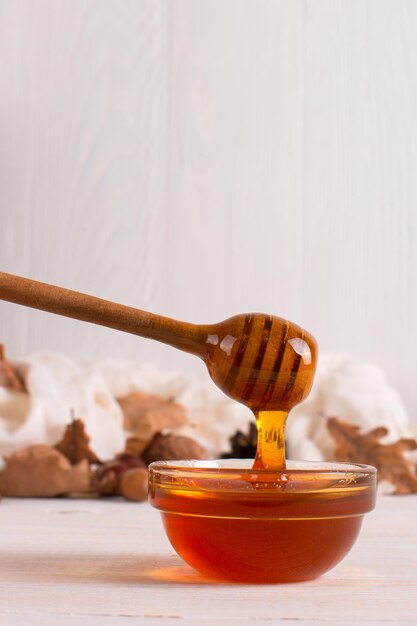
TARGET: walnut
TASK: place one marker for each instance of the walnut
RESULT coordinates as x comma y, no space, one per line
133,484
107,478
173,447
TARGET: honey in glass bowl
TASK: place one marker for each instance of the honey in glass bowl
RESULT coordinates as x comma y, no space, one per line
233,521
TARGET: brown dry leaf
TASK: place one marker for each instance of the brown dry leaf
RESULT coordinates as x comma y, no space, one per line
42,471
9,377
173,447
145,415
75,443
354,446
243,445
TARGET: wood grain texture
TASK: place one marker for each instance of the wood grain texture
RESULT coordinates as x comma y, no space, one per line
108,562
201,159
83,120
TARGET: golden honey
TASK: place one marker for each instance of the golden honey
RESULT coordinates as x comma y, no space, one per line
232,522
270,453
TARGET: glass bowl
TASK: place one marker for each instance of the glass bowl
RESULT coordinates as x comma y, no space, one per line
234,523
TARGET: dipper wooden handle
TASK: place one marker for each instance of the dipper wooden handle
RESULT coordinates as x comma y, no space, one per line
261,360
87,308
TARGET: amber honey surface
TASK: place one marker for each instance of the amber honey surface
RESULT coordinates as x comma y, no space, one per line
260,529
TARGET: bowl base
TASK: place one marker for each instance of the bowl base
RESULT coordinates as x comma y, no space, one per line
259,550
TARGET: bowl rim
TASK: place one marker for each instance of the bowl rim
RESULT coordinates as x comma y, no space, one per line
174,483
231,467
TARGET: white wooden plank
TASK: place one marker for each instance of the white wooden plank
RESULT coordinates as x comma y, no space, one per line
360,197
84,109
81,560
235,156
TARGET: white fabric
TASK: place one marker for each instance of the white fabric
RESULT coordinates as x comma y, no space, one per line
355,392
58,385
348,389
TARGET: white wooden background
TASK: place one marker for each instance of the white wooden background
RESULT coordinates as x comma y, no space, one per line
203,158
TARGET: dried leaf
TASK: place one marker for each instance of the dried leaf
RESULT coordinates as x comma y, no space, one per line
145,415
42,471
243,446
9,376
173,447
75,443
354,446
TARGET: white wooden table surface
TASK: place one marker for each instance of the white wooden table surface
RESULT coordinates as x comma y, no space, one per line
108,562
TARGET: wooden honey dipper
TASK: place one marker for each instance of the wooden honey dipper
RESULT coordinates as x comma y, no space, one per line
261,360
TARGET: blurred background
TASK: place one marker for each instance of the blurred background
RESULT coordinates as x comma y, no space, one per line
200,159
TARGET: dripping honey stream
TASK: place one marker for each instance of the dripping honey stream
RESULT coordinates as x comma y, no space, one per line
270,452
